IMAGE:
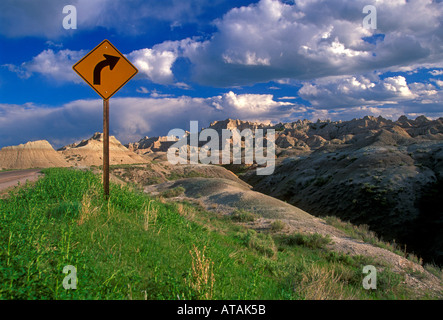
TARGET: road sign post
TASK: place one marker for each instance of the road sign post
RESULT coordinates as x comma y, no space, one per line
106,147
106,70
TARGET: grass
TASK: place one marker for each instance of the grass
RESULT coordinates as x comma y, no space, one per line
238,169
435,270
188,174
174,192
362,232
135,247
240,215
262,243
202,277
277,225
313,241
152,180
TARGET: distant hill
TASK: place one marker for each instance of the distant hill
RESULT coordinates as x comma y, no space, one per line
148,145
90,152
33,154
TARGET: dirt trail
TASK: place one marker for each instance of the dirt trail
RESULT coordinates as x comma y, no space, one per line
10,179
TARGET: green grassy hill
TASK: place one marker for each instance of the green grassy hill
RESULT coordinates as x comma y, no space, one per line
133,246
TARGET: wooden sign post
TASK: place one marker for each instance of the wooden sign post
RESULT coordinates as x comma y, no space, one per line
106,70
106,147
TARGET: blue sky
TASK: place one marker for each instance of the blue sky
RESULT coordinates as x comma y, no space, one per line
268,60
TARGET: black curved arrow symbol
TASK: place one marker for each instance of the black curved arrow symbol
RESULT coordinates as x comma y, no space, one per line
110,61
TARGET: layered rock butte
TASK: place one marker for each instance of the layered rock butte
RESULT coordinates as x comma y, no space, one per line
90,152
40,154
149,145
33,154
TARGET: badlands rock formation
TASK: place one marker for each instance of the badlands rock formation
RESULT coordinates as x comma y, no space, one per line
236,124
90,152
34,154
148,145
161,144
387,174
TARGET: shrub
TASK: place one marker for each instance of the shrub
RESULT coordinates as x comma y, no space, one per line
263,243
174,192
277,225
242,216
313,241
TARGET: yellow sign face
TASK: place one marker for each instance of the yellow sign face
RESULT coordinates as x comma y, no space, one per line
105,69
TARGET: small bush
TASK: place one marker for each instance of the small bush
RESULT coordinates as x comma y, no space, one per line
277,225
242,216
174,192
152,180
313,241
263,243
321,181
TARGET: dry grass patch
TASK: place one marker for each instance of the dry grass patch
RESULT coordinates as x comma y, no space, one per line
185,210
150,216
322,283
87,209
201,279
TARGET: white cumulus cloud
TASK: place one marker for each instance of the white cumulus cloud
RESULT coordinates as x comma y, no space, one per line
155,65
272,40
51,64
342,92
130,118
152,64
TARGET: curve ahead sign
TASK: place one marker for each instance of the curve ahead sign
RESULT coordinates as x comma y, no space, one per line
105,69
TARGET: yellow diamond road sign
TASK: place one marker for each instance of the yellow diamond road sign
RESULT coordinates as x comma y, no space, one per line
105,69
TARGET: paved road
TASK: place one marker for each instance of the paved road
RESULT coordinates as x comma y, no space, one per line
11,178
